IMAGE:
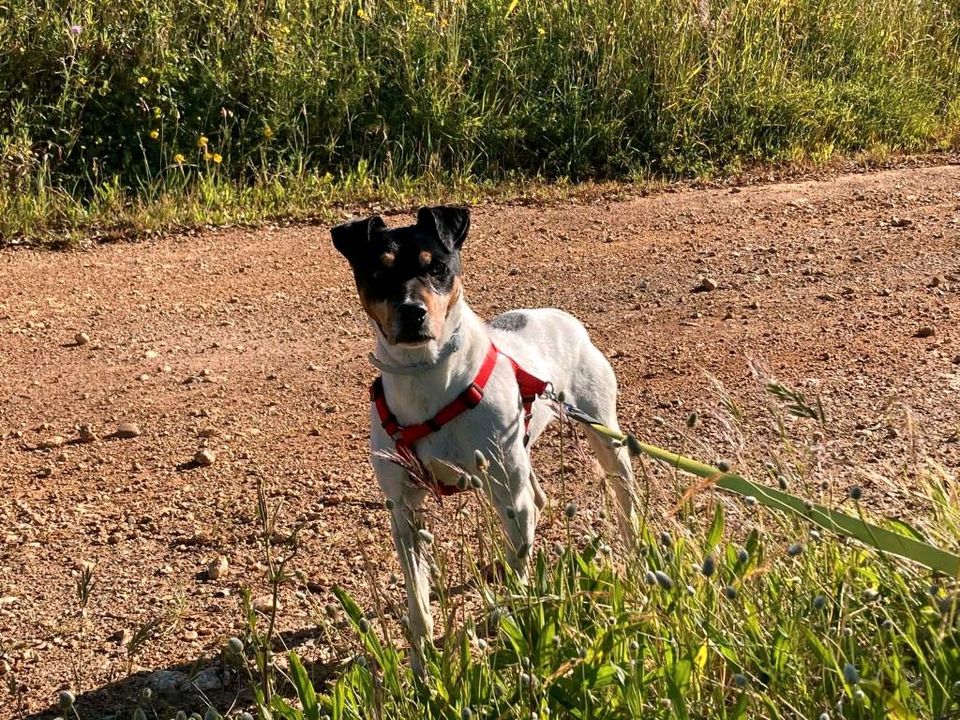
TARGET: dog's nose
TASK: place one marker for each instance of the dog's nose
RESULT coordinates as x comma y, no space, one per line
412,313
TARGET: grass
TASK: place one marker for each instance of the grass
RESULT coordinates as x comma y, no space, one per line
128,116
767,616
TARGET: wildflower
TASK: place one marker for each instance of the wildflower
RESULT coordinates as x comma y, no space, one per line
362,14
235,645
202,141
570,510
76,30
179,159
663,580
709,566
267,132
795,549
143,80
850,674
157,112
541,31
154,134
208,156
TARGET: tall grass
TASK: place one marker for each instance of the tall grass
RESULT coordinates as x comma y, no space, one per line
253,108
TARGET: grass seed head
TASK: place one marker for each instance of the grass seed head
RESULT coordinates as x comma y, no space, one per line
743,556
476,482
850,674
139,714
235,646
740,680
856,492
709,566
730,592
66,700
819,602
794,549
723,466
570,510
481,461
389,503
466,714
650,578
425,536
663,580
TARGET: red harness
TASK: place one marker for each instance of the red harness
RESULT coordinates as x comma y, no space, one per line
405,436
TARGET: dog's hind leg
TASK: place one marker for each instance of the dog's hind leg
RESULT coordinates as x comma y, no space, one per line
517,503
595,392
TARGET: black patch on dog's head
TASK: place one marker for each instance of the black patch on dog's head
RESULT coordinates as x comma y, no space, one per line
396,268
513,321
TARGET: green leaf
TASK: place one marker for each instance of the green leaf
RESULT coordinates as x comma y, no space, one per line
304,687
716,529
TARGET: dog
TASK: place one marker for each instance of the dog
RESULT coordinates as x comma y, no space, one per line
431,349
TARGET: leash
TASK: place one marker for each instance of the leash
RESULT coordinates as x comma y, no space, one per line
879,538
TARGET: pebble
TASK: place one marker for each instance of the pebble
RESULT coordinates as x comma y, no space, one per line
205,457
87,435
81,338
217,568
901,222
924,332
52,443
208,432
166,681
706,284
264,604
127,430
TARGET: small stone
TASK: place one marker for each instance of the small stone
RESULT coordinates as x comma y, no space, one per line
208,432
87,435
924,332
705,284
956,360
754,305
114,539
217,568
264,604
934,282
190,635
166,681
205,457
81,338
127,431
51,443
899,222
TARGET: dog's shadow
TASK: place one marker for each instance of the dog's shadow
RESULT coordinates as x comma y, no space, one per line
191,686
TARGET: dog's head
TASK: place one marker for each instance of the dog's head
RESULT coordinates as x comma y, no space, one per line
408,277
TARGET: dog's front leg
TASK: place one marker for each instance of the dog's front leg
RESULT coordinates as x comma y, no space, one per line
513,496
413,551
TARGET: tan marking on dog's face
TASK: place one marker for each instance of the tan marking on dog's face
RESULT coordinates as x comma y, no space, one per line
426,257
380,312
454,296
388,259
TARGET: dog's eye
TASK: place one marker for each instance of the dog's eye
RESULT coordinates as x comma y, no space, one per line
438,269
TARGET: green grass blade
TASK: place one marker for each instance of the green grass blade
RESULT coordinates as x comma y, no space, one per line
877,537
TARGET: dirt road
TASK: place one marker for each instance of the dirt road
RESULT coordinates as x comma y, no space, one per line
848,287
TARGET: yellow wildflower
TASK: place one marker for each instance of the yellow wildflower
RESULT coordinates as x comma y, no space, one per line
143,80
202,141
217,158
208,156
267,132
179,159
154,134
541,31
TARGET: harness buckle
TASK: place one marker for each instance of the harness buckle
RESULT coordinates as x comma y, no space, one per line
471,396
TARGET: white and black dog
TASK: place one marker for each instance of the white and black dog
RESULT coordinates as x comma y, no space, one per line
452,385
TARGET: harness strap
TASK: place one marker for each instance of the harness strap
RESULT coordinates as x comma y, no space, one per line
406,435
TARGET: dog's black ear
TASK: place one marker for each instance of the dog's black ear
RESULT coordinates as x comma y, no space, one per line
351,238
449,223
